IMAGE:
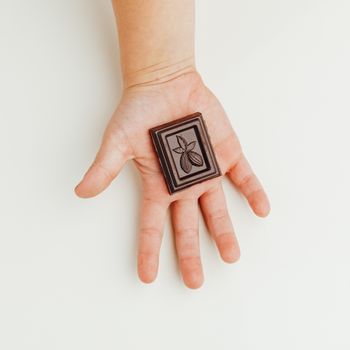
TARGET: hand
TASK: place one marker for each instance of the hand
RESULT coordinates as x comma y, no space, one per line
127,137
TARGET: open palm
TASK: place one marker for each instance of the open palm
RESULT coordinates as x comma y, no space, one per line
127,137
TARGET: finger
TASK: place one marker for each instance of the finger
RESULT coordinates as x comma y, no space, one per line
152,221
185,223
217,219
242,175
113,154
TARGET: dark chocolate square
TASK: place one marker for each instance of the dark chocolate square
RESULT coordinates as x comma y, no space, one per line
185,153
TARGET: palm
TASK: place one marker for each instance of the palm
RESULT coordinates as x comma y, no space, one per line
127,137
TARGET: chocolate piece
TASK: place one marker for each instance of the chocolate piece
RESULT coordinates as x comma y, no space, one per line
185,153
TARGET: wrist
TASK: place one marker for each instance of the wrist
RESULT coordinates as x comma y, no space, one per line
158,73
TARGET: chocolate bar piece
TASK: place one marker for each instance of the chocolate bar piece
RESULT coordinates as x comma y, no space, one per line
185,153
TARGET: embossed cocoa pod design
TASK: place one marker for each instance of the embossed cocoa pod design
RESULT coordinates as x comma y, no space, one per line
185,163
195,158
188,157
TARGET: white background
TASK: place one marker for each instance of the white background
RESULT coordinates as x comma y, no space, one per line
68,266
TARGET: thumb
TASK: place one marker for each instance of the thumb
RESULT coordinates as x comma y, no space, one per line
110,159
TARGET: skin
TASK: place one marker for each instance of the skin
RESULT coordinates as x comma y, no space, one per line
159,88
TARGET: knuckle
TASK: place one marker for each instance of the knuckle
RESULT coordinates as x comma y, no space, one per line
218,214
188,232
225,237
192,262
253,193
119,139
147,258
150,232
246,180
104,170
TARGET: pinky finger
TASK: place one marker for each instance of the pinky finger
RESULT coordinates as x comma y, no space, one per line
152,221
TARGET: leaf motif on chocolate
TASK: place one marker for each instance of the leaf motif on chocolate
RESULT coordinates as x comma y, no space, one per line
195,158
190,146
182,142
185,163
178,150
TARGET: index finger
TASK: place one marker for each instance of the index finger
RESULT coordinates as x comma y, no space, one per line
242,176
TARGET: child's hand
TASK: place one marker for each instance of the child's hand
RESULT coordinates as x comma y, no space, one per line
127,137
